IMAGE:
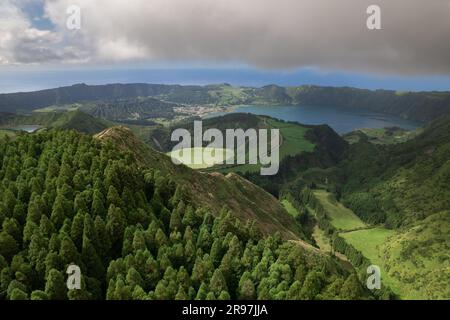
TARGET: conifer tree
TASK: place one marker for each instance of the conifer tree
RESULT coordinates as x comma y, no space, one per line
8,245
181,294
202,292
55,287
217,283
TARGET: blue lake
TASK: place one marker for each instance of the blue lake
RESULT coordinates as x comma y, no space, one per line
342,120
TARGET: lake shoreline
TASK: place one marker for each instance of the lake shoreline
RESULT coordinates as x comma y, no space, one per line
342,120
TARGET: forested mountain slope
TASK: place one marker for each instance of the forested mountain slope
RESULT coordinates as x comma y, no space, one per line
213,190
405,187
302,147
401,193
68,198
402,183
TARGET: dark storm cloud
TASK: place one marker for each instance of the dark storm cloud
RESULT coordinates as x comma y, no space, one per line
279,34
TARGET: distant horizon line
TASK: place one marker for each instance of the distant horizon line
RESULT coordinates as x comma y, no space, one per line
224,83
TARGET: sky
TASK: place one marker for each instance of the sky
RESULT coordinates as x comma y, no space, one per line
251,42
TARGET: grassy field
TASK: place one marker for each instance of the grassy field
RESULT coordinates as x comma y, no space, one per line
341,217
382,135
293,143
371,243
227,95
289,208
414,261
201,158
368,242
322,241
58,108
419,258
4,133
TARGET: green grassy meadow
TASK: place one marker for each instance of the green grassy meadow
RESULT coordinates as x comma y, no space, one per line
420,258
321,239
58,108
414,263
4,133
293,135
293,142
201,158
341,217
382,135
289,208
371,243
368,242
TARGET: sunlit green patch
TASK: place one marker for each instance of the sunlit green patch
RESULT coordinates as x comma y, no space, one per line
201,158
341,217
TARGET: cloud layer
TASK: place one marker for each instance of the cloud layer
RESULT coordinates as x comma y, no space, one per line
280,34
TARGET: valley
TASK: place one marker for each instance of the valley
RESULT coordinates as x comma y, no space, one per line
242,157
342,218
376,195
382,247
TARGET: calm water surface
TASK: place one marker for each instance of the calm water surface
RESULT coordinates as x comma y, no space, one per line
342,120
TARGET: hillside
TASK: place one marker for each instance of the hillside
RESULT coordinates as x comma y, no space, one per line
302,146
418,106
126,109
401,191
76,120
124,219
380,198
389,135
325,150
402,183
160,137
377,201
405,188
418,257
215,191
